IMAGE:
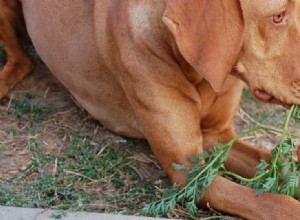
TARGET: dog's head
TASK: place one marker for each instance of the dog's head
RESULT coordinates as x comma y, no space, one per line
260,39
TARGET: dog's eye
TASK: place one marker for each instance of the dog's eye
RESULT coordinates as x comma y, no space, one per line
278,18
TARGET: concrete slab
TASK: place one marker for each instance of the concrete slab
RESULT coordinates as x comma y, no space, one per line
12,213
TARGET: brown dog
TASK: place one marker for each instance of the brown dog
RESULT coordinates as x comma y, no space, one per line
158,69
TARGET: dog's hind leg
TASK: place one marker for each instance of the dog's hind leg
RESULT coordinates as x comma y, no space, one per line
18,65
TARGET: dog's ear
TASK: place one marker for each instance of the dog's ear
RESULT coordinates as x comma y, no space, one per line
208,33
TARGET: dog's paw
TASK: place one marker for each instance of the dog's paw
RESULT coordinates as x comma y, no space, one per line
13,73
4,89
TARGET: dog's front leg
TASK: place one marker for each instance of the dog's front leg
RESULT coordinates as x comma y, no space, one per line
231,197
171,125
243,157
217,127
18,64
172,128
227,196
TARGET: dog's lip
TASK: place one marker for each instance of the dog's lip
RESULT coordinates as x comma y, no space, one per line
262,95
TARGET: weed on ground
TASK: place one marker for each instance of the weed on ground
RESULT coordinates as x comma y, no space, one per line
64,163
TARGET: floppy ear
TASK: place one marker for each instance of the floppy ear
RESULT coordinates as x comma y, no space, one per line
208,33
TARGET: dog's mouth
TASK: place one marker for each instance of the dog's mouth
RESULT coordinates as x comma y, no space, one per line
261,94
264,96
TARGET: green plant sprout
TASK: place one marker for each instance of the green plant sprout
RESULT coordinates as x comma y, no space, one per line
279,175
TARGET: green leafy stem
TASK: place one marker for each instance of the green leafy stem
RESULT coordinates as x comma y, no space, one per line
273,169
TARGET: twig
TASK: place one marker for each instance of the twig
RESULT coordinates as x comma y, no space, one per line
102,150
81,175
46,93
55,167
185,213
9,103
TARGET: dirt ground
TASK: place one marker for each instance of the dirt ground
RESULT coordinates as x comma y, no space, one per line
39,118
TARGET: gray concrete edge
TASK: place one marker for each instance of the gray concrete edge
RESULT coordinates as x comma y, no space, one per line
13,213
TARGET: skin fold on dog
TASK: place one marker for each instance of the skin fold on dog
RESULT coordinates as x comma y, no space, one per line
160,70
